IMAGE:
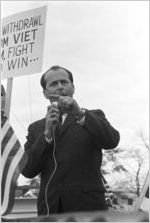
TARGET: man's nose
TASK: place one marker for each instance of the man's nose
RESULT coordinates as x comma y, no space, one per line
60,85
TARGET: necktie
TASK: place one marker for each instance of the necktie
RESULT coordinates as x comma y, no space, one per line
60,120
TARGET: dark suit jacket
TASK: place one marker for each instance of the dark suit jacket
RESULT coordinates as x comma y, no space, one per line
78,153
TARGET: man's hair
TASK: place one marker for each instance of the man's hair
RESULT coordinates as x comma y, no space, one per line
56,67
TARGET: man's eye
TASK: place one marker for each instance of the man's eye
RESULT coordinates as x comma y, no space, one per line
64,82
53,84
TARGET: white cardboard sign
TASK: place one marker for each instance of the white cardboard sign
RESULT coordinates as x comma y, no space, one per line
22,43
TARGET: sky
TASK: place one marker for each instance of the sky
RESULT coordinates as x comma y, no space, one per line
105,44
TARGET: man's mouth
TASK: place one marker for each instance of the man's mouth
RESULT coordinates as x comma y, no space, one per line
55,97
62,94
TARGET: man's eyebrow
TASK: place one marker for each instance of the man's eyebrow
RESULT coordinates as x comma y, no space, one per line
53,81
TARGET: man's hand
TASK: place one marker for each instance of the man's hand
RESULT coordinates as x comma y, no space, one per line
52,118
68,105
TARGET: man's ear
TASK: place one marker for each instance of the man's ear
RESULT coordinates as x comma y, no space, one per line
45,93
73,88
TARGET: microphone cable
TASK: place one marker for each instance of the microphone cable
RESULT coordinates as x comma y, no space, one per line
50,178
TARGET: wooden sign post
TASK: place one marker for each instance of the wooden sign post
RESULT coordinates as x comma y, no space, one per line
143,193
8,96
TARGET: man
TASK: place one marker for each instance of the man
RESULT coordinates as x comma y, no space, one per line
68,155
3,95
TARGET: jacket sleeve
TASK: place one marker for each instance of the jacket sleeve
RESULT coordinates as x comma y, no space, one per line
103,134
36,149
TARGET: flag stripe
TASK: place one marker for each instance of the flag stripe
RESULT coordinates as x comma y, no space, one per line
6,139
3,119
6,166
5,129
4,176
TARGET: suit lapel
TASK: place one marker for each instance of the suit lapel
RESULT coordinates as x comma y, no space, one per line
68,121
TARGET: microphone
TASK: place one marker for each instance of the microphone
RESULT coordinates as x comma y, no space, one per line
55,104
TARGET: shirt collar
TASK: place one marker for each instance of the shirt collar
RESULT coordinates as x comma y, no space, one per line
64,116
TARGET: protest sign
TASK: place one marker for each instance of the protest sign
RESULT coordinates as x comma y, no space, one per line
22,43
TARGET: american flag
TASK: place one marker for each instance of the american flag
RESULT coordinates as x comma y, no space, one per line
13,160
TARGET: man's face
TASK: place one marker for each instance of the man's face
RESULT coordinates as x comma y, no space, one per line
58,83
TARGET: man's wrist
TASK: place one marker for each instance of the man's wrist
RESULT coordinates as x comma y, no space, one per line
81,114
47,136
48,140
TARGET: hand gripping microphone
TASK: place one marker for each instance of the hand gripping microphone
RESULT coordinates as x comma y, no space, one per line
55,105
